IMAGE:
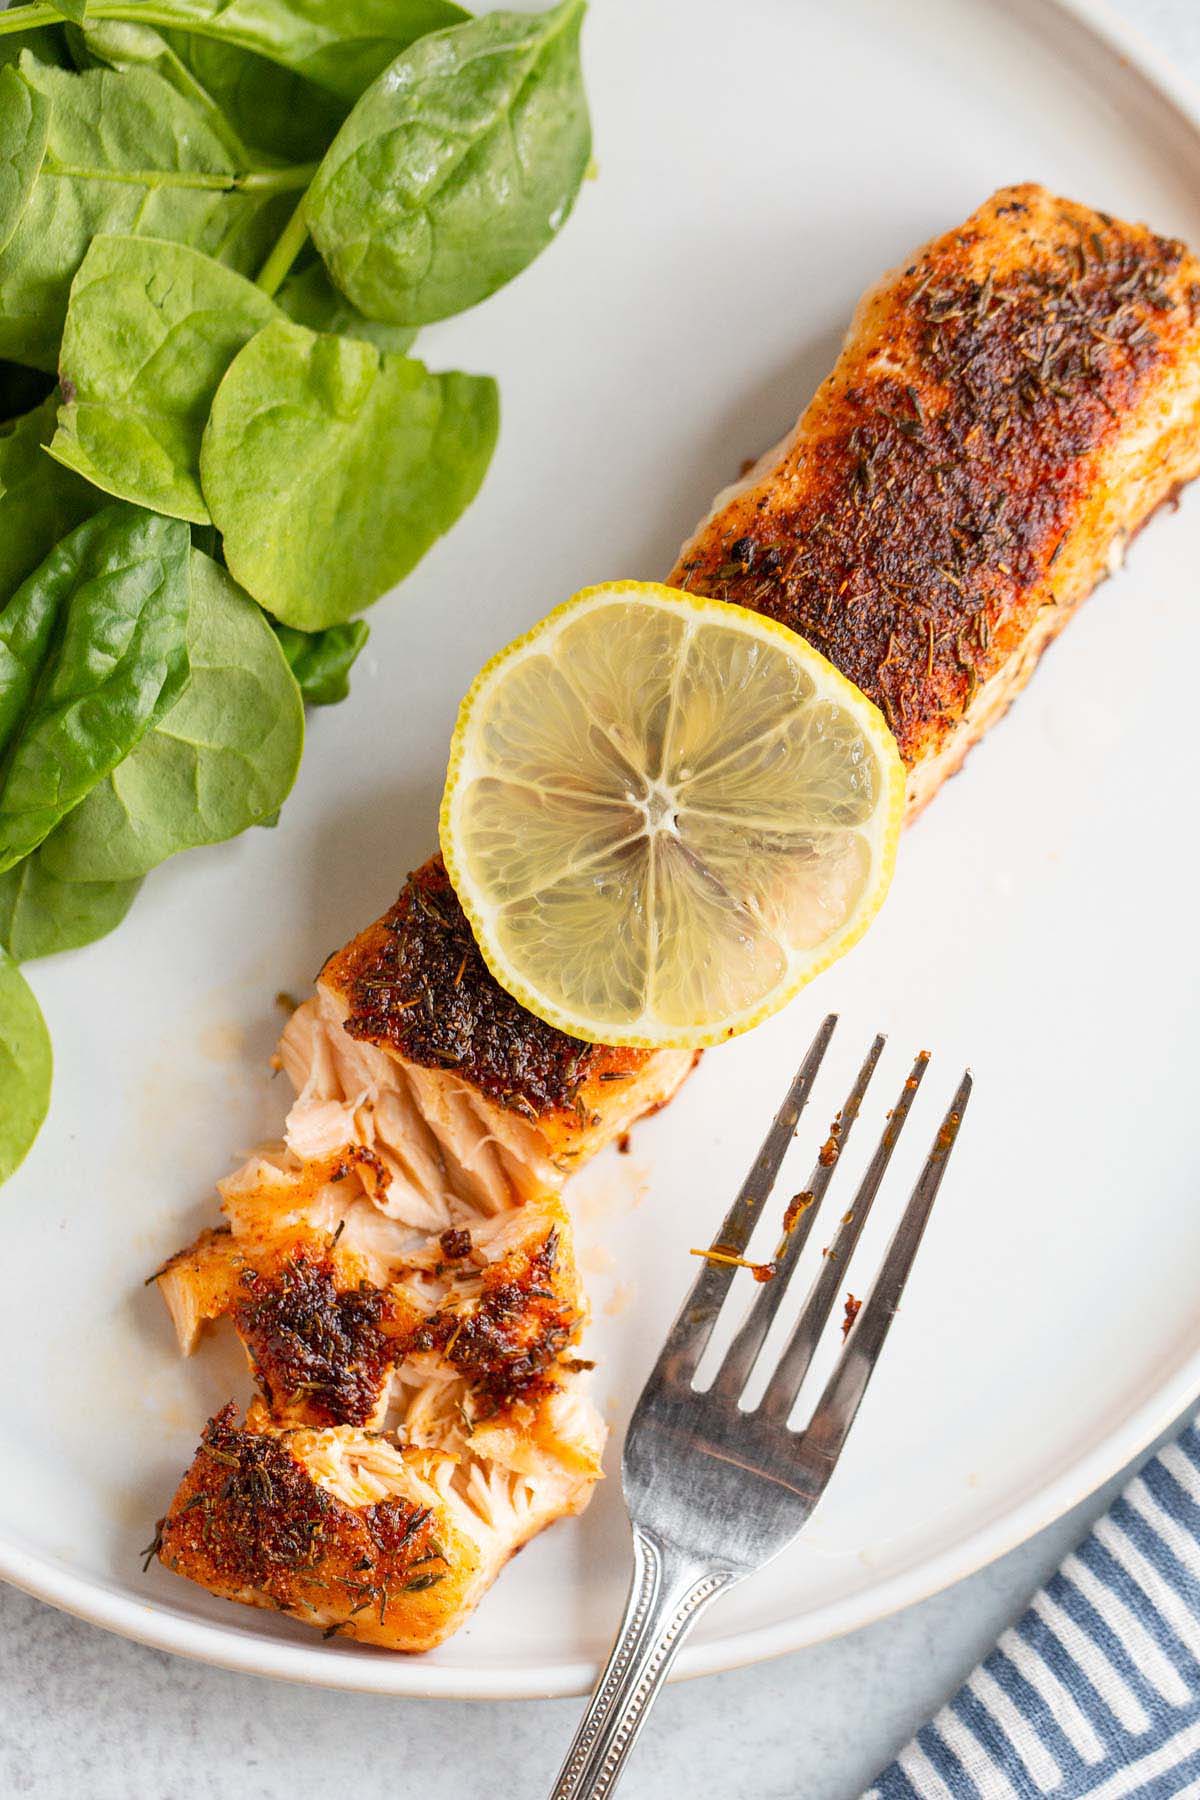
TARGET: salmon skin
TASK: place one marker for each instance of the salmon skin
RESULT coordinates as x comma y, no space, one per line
1009,408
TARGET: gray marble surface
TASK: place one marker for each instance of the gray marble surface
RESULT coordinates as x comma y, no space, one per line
84,1713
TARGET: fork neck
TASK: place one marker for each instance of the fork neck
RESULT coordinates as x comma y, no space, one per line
667,1594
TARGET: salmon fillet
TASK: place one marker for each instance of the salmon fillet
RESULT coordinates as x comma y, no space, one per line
1008,409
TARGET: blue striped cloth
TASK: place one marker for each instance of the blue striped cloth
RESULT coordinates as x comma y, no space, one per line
1096,1691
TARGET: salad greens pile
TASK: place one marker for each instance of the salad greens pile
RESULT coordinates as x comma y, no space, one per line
221,224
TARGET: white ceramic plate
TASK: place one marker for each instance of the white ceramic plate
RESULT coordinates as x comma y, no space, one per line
759,165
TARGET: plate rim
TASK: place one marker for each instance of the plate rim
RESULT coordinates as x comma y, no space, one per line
226,1646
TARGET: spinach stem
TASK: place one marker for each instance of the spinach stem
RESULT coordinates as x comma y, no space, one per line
139,12
256,181
277,181
26,18
287,248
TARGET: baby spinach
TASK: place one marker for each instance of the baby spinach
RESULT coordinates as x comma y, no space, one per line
118,44
151,328
309,297
153,153
24,129
41,914
339,44
246,99
330,469
224,758
93,649
126,153
270,106
321,661
40,501
457,167
26,1067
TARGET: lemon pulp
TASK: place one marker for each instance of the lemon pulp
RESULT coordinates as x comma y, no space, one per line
664,814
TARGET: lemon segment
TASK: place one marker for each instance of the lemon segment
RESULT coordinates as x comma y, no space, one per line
664,814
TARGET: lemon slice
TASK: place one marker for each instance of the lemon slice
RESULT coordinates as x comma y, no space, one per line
664,814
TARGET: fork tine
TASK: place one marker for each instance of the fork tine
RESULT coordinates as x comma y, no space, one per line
780,1394
822,1442
694,1322
742,1354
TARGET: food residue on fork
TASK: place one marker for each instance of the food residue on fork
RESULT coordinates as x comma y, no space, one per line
796,1206
947,1135
831,1148
853,1308
730,1259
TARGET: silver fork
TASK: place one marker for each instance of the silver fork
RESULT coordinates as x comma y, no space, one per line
714,1491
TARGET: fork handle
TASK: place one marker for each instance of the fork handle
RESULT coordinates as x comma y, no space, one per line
668,1593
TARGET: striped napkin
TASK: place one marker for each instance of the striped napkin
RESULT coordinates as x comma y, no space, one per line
1096,1691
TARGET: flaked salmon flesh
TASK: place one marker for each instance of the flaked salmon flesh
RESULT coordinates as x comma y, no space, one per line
401,1274
1009,408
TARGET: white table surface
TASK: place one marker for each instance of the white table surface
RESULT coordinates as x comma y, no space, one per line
84,1713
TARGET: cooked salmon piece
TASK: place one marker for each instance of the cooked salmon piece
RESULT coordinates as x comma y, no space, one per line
438,1364
1008,409
329,1295
350,1532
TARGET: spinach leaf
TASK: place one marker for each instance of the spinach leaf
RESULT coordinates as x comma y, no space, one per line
316,444
246,99
41,915
73,10
151,328
26,1067
126,153
224,758
117,44
93,649
321,660
339,44
275,108
457,167
309,297
24,129
40,501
